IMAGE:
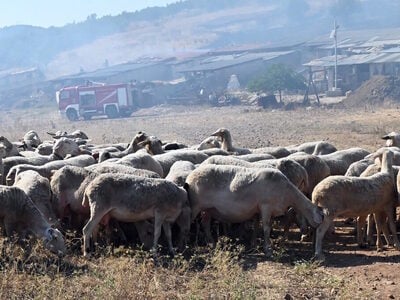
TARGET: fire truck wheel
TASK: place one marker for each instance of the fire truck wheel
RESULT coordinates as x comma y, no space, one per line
111,112
72,115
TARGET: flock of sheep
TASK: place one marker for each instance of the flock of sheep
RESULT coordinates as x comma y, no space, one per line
67,183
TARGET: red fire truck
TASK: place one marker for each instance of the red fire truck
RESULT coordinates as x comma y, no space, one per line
112,100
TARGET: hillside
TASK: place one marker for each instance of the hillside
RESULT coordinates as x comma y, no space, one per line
180,28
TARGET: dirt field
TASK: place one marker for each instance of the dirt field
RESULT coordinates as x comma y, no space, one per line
349,272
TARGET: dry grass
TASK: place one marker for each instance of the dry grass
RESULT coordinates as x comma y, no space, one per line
228,271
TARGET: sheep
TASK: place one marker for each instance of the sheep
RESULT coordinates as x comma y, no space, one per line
152,145
69,183
10,148
20,215
118,168
277,152
74,135
392,139
48,169
142,160
208,143
179,171
130,199
316,168
290,168
316,148
31,140
215,151
357,167
37,188
236,194
253,157
226,142
340,161
44,148
166,160
357,197
133,147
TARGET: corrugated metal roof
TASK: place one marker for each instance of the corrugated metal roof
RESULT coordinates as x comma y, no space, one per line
369,58
112,70
392,50
225,61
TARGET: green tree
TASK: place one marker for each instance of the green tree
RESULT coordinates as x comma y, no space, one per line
277,78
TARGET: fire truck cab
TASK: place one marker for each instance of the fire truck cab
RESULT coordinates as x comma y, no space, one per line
112,100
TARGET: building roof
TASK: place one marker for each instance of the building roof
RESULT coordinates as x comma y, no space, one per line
217,62
114,70
369,58
359,38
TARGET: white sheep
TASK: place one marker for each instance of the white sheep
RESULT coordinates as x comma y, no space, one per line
37,188
392,139
340,161
20,215
357,167
69,183
236,194
208,143
315,148
226,142
132,148
357,197
31,140
166,160
10,148
277,152
142,160
48,169
132,198
179,171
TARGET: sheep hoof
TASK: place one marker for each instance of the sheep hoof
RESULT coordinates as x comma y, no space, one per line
379,249
86,255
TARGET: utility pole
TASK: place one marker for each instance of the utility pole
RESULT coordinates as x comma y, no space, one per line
334,35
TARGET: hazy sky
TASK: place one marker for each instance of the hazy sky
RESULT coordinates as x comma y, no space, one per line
47,13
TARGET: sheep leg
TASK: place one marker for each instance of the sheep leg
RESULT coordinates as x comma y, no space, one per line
361,231
9,228
386,233
167,231
370,227
90,232
206,224
379,219
158,222
319,235
392,226
256,227
266,218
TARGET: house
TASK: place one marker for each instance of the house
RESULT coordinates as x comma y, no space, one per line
361,54
212,72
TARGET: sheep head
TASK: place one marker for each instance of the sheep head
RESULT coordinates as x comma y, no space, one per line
54,241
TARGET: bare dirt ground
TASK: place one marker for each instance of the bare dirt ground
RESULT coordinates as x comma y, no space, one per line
349,272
